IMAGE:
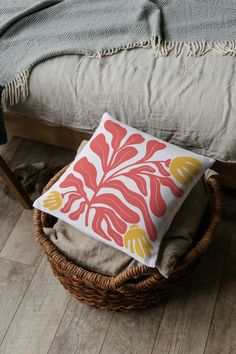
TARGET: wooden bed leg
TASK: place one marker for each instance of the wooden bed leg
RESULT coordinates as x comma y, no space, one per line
14,185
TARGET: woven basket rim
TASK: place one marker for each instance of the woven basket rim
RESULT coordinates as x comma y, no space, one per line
65,266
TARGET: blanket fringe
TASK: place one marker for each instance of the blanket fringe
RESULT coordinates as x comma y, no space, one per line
164,48
193,49
18,90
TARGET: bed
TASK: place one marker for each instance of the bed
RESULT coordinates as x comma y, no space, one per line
177,82
187,101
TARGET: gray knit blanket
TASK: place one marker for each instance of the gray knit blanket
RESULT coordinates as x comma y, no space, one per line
32,31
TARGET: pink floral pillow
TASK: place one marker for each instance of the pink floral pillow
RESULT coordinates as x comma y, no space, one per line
124,188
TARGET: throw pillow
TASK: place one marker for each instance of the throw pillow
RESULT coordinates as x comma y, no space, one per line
125,188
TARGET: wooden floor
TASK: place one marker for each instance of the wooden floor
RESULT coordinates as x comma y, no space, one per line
38,316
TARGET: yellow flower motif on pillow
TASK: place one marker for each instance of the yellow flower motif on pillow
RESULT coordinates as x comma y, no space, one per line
184,167
136,240
53,201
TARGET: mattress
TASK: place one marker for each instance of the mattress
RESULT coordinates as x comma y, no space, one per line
188,101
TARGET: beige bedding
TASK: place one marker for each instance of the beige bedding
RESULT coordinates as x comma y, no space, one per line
188,101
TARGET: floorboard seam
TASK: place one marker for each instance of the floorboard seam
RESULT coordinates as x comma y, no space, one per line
106,333
162,315
13,261
13,227
59,325
23,296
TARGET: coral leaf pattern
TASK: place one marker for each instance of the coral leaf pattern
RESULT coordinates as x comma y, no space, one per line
159,208
152,147
117,222
88,171
117,132
105,202
184,167
134,139
136,240
53,201
115,235
161,168
101,148
138,201
118,206
97,225
72,198
72,181
177,192
76,214
127,153
139,180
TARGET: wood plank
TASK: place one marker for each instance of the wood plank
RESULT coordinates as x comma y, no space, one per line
82,330
133,332
187,317
38,316
29,128
222,338
21,245
10,211
14,280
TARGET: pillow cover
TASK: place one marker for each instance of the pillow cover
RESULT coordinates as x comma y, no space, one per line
125,188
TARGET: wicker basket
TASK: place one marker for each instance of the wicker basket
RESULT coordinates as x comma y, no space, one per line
125,291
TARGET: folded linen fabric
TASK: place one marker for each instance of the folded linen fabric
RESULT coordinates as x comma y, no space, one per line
98,257
124,189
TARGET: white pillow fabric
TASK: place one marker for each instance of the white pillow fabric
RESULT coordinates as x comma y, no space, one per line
125,188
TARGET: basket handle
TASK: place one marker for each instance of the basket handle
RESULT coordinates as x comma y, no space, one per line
215,185
131,273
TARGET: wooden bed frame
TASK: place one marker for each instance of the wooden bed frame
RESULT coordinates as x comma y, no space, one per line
25,127
32,129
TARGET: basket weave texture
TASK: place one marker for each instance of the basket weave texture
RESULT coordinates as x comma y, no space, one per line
124,291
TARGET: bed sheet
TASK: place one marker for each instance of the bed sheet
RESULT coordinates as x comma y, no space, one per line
188,101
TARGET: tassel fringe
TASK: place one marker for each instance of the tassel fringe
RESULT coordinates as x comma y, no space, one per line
18,90
192,49
164,48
